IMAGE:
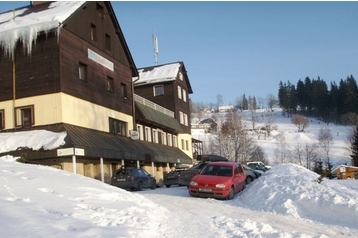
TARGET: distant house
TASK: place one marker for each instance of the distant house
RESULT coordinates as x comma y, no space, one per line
66,67
207,125
225,108
345,172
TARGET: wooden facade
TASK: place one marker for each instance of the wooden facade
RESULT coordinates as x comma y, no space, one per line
80,74
170,99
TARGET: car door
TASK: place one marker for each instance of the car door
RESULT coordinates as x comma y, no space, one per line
145,177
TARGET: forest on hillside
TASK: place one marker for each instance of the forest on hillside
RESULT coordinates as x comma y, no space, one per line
313,98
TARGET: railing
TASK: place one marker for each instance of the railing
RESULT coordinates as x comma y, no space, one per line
153,105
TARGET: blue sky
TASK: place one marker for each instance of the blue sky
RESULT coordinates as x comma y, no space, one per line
235,48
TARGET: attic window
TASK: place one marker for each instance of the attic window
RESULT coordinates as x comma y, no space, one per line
158,90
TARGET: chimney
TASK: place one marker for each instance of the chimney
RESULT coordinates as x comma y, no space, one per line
35,3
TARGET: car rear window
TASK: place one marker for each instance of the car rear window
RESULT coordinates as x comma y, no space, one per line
217,170
122,172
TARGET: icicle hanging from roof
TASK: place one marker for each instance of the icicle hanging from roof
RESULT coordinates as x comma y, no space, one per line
23,25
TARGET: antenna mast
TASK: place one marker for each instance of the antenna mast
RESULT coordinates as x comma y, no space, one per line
156,49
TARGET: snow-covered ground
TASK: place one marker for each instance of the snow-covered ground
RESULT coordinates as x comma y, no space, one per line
39,201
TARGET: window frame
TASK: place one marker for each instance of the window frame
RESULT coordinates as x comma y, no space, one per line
117,127
155,91
82,71
93,32
2,119
108,42
110,84
124,90
19,116
179,92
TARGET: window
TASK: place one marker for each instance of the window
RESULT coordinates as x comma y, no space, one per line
2,119
24,116
93,33
169,140
179,92
181,76
82,71
155,136
158,90
148,135
175,141
117,127
108,42
187,145
124,90
140,131
181,117
185,119
184,95
110,84
182,144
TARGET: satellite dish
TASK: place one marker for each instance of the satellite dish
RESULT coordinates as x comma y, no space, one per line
134,135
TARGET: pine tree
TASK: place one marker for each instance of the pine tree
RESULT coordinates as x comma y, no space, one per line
354,147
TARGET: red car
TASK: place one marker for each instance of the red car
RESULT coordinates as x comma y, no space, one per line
218,180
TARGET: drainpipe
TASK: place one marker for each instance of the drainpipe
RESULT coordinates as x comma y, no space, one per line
14,81
133,105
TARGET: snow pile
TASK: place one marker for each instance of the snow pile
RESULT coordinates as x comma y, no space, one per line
48,202
291,189
35,140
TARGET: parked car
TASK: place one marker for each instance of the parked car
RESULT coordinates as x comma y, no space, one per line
132,178
251,174
187,175
218,180
258,165
172,178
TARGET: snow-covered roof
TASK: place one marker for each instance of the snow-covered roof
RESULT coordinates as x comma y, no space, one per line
25,24
156,74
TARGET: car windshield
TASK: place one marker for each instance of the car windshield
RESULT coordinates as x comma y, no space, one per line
217,170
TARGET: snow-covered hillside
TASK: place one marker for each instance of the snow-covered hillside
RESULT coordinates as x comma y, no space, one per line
339,149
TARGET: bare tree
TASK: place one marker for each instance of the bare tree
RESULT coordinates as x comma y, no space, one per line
311,155
300,121
233,140
253,117
282,152
271,101
325,141
269,122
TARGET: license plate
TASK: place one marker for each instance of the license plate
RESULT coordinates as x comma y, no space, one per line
121,180
206,190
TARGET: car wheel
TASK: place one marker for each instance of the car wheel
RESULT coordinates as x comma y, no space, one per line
231,194
249,179
154,185
168,186
140,186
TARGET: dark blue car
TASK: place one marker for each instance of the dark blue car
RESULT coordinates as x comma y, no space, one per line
132,178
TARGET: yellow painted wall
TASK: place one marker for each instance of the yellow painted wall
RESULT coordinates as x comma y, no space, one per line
60,107
187,137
